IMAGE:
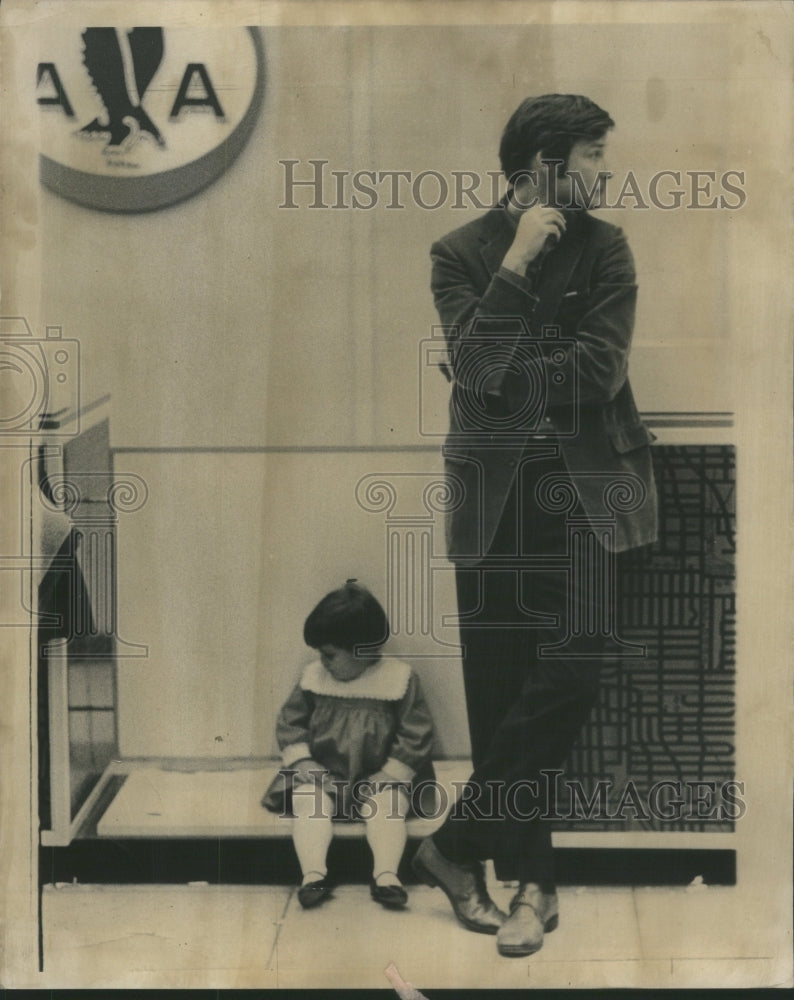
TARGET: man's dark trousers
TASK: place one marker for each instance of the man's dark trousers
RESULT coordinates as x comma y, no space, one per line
526,709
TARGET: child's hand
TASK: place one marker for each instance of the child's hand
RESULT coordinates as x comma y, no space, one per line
382,778
304,769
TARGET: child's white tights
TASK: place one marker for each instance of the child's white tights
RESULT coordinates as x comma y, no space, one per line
386,834
385,813
311,832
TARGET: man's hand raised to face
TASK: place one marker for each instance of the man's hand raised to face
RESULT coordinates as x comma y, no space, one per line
536,225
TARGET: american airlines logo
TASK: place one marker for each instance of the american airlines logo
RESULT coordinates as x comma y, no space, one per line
134,119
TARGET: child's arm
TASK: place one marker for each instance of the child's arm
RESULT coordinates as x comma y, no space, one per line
413,740
293,733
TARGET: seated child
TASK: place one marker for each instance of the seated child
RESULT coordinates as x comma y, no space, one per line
358,724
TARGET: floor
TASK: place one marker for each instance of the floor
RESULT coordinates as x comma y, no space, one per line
198,935
259,937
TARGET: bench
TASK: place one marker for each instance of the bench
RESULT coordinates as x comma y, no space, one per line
198,798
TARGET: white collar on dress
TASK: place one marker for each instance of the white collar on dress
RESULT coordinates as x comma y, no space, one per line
386,680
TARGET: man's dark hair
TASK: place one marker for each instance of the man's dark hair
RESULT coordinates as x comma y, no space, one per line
551,124
346,618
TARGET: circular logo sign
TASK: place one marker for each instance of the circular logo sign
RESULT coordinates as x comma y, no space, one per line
134,119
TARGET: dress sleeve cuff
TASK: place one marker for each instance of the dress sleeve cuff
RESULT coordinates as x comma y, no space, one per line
397,770
292,754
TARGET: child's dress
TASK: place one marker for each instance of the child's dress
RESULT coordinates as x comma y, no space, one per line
377,722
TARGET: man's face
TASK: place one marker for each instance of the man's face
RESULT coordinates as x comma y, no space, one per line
584,183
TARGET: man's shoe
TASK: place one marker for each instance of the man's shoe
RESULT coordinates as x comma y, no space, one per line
464,886
313,893
532,913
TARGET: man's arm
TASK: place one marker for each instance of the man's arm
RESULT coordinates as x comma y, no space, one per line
510,291
604,332
505,310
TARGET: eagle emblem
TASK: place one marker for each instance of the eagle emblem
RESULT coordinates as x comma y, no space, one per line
120,89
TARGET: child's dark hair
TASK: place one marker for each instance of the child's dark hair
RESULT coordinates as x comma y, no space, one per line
550,124
347,618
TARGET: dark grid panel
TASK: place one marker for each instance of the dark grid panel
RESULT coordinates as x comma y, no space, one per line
670,714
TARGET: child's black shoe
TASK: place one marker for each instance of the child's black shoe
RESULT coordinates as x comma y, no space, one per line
394,897
313,893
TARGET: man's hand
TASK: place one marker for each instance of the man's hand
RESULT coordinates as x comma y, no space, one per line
535,226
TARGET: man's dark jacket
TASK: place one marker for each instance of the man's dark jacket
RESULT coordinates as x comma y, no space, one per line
538,360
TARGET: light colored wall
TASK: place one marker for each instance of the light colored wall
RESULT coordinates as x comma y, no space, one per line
251,543
226,322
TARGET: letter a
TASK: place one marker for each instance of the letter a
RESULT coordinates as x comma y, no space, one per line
59,98
210,98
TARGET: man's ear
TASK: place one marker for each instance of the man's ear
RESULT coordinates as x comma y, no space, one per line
547,163
523,190
536,163
526,180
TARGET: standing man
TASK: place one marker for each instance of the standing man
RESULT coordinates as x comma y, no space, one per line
537,299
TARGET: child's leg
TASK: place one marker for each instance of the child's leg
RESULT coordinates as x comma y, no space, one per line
311,831
386,836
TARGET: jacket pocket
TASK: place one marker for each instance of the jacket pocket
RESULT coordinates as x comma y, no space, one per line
630,438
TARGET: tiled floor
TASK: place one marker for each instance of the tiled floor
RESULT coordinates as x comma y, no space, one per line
249,937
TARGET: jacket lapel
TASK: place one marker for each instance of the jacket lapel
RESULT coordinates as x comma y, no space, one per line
497,236
557,270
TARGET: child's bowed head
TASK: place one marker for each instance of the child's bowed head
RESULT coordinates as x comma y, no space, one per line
347,618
